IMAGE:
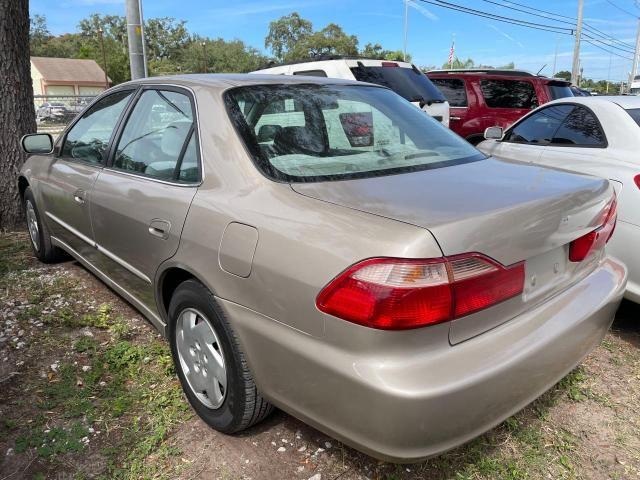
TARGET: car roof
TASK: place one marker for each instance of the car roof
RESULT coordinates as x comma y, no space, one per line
224,81
317,63
625,101
494,72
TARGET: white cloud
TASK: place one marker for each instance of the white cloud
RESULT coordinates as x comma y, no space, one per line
505,35
423,10
256,8
89,3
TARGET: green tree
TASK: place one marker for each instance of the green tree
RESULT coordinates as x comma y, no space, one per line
331,40
457,63
219,56
39,35
563,74
164,38
285,33
376,51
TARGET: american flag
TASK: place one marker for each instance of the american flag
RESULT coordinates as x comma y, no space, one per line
451,52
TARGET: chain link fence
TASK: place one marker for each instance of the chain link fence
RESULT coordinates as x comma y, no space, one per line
54,112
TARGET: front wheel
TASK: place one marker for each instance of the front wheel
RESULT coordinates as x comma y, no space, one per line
210,364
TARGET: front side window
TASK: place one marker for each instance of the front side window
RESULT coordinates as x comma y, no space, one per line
581,128
335,132
155,140
540,127
509,94
453,89
88,139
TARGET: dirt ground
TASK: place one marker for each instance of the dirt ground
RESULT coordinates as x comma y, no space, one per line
87,390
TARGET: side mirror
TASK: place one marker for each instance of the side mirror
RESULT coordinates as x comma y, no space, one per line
493,133
37,143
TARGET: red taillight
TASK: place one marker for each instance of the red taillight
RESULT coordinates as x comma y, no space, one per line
390,64
581,247
637,180
396,294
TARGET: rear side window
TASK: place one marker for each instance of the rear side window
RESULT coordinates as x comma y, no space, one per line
311,73
635,114
88,138
540,127
410,84
581,128
559,90
509,94
156,136
453,89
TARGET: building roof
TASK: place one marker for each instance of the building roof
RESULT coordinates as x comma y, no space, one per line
68,70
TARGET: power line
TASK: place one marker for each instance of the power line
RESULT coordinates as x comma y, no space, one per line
596,42
551,16
606,50
500,18
621,9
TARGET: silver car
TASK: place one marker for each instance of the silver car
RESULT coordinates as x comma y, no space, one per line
323,246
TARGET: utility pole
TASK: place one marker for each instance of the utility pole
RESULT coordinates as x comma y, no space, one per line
634,68
104,58
406,27
609,75
555,57
135,38
575,70
204,57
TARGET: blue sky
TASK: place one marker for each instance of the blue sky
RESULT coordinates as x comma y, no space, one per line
430,32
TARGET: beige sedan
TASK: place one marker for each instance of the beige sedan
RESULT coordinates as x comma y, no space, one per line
325,247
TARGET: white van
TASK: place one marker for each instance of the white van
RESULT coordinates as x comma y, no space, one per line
403,78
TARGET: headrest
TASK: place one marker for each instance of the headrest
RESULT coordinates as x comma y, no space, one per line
299,140
268,132
173,138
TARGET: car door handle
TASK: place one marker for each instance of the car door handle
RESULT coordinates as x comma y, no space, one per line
454,118
78,196
160,228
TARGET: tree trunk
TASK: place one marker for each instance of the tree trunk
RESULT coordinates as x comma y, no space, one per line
17,111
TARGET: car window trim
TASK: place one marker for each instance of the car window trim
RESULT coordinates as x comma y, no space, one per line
59,146
195,127
549,144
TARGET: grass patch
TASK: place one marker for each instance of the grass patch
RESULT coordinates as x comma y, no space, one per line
54,441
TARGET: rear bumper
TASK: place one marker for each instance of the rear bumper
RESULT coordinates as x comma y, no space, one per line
408,404
625,245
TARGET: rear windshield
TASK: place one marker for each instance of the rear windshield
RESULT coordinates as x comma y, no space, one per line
408,83
559,91
311,133
635,114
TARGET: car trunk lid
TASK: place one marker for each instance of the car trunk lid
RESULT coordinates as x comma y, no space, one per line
508,211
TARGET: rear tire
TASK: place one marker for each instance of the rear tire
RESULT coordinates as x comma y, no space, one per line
210,363
38,231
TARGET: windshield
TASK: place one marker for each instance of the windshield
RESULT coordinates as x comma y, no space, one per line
406,82
309,133
635,114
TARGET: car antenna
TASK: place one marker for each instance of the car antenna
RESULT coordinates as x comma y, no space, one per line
541,69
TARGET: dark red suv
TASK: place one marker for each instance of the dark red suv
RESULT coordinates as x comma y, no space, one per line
485,98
